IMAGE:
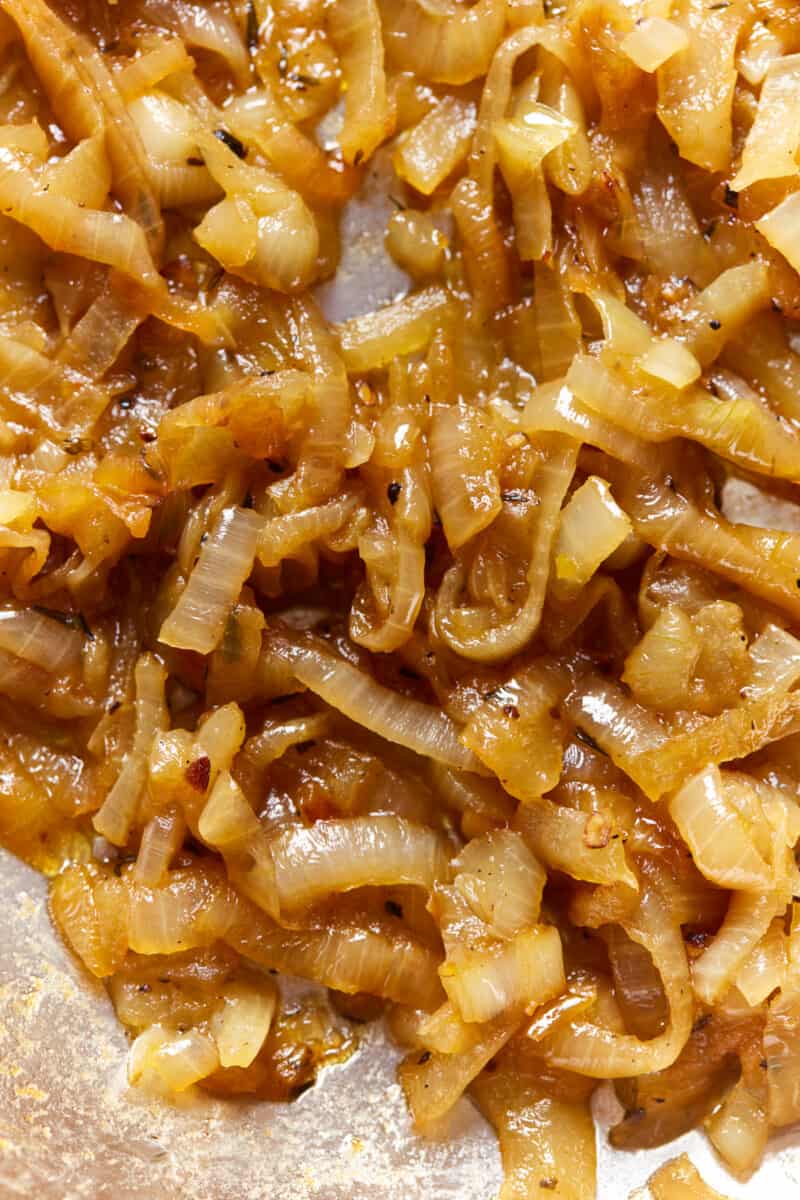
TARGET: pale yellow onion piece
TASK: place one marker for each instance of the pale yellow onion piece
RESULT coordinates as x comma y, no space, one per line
481,640
776,663
284,243
523,143
219,736
355,29
558,837
600,1052
762,560
678,1179
481,799
592,526
658,761
229,231
522,972
348,958
39,639
227,818
623,330
284,253
30,138
360,445
118,811
665,230
240,1026
652,42
82,176
419,727
288,247
569,166
746,921
781,227
753,804
186,911
259,118
483,249
18,509
81,90
184,1059
433,1081
722,846
162,837
443,43
323,449
430,152
517,736
105,237
547,1144
140,74
91,912
672,362
660,668
732,299
466,488
501,881
209,28
494,105
286,536
396,570
166,128
277,737
695,86
764,971
553,408
773,140
338,855
760,49
197,621
445,1032
782,1052
404,327
741,430
167,125
782,815
229,824
415,243
557,326
738,1129
140,1055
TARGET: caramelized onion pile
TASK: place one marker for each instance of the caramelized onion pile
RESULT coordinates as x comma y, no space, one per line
446,654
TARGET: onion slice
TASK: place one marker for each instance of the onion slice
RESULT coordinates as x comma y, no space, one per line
602,1053
197,622
116,815
433,1081
419,727
39,639
338,855
444,43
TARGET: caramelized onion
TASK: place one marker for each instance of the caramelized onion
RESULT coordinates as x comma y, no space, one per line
601,1053
334,856
419,727
446,43
198,620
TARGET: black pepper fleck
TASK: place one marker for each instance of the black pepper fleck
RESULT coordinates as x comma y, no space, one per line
231,141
